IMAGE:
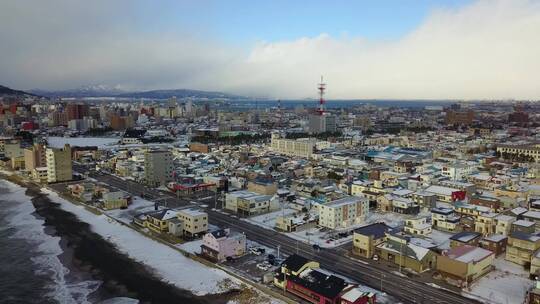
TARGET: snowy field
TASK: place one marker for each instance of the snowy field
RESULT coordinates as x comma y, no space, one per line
100,142
508,283
171,265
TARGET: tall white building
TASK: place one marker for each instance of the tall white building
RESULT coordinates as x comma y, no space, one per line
59,168
158,167
343,212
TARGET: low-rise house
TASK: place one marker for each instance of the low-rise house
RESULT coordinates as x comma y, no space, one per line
262,186
83,191
157,221
404,205
297,222
495,243
367,238
307,281
533,216
222,244
535,265
195,222
492,203
464,264
521,247
411,253
247,203
445,219
446,194
465,238
485,223
115,200
504,224
417,226
523,226
470,210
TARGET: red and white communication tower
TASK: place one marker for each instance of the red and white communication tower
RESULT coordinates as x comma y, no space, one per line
321,87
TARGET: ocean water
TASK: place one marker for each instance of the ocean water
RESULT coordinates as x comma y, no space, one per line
331,104
31,268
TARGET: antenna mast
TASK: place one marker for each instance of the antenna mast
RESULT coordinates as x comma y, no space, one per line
321,87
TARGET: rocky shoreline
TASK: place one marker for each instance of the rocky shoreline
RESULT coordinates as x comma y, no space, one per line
91,254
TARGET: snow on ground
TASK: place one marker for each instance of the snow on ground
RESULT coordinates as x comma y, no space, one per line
391,219
318,237
138,206
100,142
507,283
191,247
171,265
268,220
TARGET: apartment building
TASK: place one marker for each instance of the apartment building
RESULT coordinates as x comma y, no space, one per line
301,147
35,157
59,167
158,167
195,222
343,212
532,151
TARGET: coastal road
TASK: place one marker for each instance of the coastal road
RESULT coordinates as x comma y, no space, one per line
403,288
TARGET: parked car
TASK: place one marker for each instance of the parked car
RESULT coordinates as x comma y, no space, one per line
255,251
316,247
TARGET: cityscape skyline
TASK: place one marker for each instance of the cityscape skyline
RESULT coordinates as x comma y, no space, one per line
426,50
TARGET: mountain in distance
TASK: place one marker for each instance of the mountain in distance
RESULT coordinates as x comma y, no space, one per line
117,92
81,92
8,92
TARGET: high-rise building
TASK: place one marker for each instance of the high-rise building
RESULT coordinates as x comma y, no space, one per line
35,157
59,164
158,167
322,123
459,116
77,110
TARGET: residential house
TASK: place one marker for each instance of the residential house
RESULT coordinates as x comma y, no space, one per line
521,247
407,252
533,216
367,238
307,281
222,244
495,243
464,264
445,219
157,221
485,223
417,226
504,224
465,238
523,226
116,200
247,203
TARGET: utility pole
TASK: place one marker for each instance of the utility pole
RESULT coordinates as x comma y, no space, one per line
400,254
381,280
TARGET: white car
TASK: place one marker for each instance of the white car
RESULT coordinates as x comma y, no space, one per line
255,251
264,266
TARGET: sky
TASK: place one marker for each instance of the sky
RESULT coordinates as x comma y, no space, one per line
418,49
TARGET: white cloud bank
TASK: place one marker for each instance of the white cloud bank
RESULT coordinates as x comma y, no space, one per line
486,50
